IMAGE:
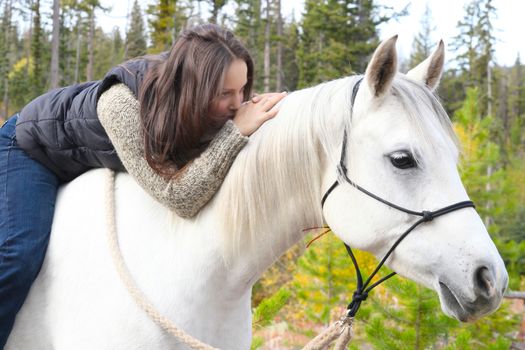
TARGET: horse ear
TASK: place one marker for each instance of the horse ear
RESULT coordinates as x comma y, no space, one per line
429,71
382,68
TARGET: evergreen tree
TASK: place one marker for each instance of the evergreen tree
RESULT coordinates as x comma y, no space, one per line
72,28
66,49
37,51
290,72
20,83
475,49
249,28
422,47
516,107
266,311
167,20
479,153
216,6
337,38
102,54
414,321
4,58
279,49
90,6
55,42
325,281
117,49
451,90
136,37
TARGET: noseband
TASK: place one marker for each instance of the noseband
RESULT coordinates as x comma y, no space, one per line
362,290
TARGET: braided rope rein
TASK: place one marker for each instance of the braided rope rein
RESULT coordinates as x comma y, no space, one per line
340,330
139,297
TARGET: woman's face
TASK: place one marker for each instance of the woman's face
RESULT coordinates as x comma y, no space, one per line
232,95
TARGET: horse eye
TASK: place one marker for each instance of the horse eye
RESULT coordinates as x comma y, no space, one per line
402,160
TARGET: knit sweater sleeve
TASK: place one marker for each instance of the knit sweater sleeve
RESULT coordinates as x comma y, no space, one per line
189,191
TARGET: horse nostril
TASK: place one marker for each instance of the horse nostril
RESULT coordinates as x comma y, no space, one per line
484,281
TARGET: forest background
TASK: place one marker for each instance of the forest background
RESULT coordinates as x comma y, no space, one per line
49,43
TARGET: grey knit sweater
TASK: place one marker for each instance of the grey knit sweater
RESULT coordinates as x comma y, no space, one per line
189,191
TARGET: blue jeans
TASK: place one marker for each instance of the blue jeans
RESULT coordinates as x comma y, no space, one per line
27,202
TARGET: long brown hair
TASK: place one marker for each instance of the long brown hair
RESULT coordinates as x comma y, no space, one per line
176,94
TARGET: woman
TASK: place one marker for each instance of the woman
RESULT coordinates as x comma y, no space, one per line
175,122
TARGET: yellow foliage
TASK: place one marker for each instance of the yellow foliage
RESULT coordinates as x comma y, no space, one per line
19,66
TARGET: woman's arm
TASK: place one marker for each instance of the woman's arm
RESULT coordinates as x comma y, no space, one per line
189,191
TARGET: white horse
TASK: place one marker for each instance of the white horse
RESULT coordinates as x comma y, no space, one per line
200,272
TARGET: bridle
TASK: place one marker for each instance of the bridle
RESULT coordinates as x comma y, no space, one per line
362,289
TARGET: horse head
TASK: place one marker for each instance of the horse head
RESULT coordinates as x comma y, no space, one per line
401,148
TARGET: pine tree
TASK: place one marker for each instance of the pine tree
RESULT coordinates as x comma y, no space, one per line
325,280
267,44
4,57
66,47
167,20
249,28
516,106
117,49
103,51
479,152
475,49
279,49
423,41
337,38
136,37
413,321
37,51
216,6
55,74
79,24
290,71
90,6
20,83
409,317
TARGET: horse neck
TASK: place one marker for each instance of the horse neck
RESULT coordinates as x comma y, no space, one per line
273,190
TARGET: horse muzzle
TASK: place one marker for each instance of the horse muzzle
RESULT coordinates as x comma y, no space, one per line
476,298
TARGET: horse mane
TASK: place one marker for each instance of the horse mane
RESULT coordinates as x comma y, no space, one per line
276,178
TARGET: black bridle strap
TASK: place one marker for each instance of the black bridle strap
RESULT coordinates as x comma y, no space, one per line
343,147
363,289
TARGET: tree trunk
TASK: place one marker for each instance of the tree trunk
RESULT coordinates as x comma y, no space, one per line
214,13
488,188
55,45
126,28
79,37
5,70
67,70
489,89
30,38
504,109
418,319
91,38
267,49
279,57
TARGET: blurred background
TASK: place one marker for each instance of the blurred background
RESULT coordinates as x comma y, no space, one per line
295,44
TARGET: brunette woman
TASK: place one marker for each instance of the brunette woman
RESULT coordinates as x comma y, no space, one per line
175,122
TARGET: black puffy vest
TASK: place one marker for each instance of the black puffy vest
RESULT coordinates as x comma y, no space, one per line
61,129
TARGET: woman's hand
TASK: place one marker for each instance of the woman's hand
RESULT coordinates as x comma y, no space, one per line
252,114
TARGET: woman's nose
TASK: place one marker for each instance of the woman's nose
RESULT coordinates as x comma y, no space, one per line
236,103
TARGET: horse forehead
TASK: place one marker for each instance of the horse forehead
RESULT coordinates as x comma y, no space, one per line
387,122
